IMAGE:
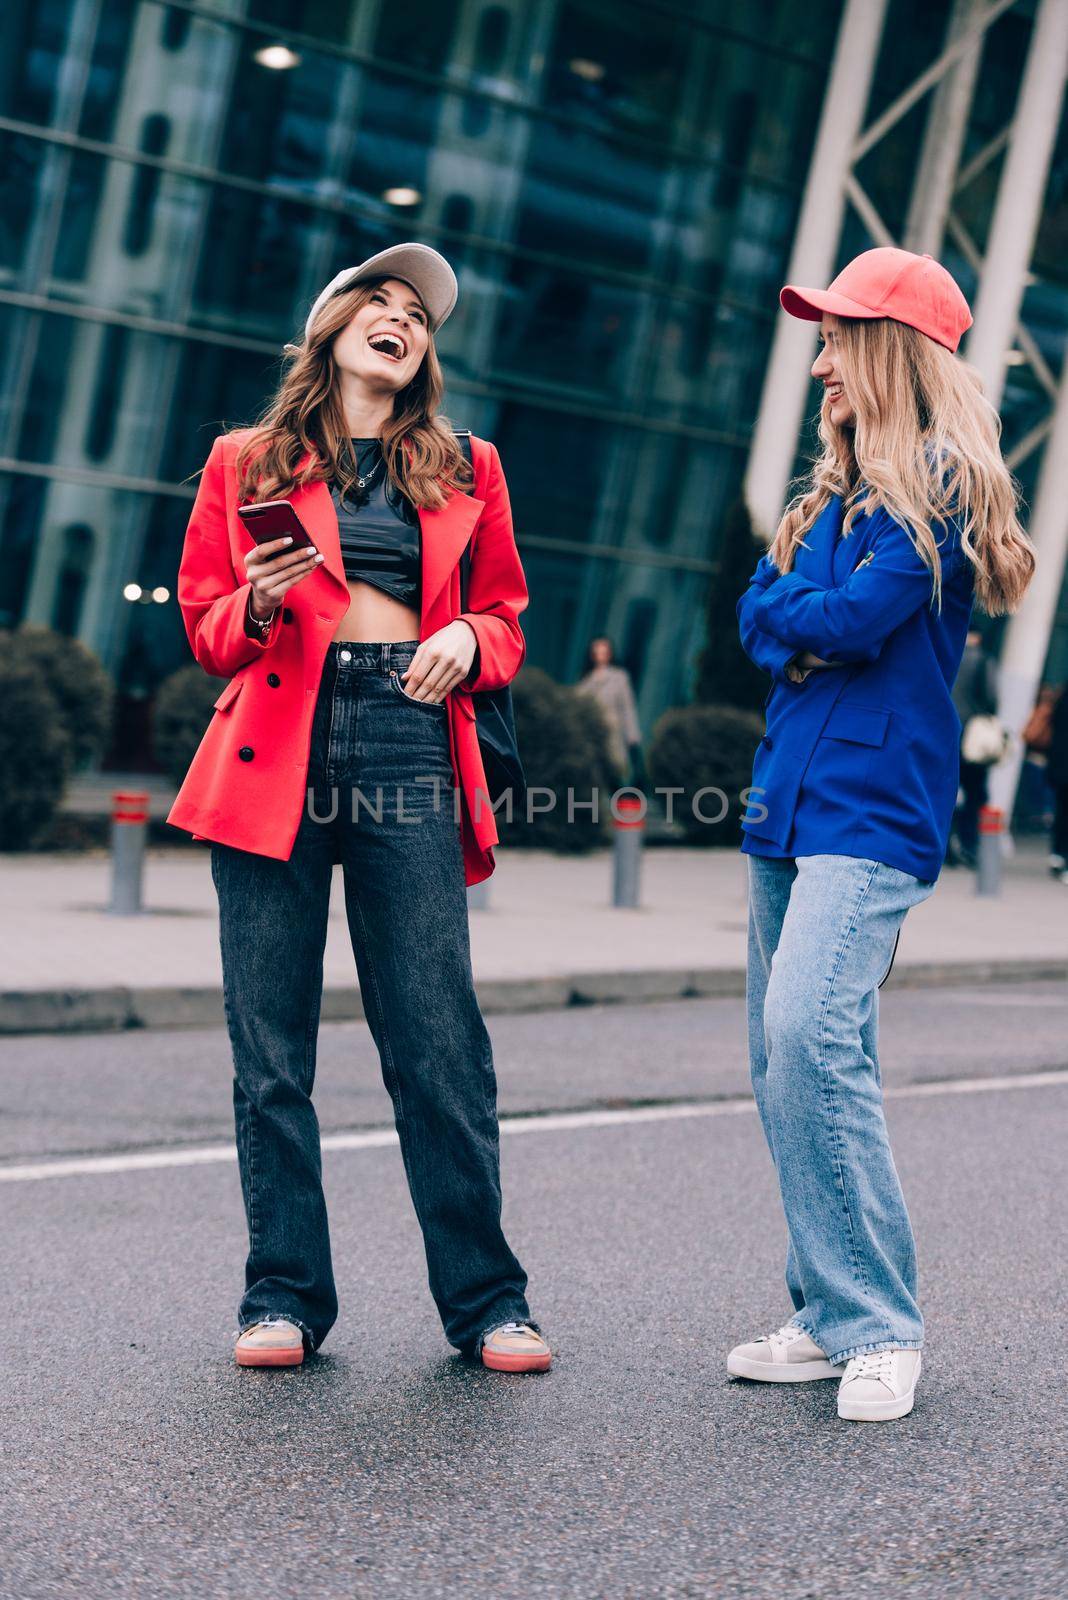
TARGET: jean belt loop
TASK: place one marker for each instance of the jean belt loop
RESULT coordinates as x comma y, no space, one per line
383,656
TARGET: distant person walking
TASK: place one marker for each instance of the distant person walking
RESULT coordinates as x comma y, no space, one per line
974,695
860,612
609,685
347,735
1057,772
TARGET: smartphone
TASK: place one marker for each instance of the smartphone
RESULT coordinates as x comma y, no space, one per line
272,519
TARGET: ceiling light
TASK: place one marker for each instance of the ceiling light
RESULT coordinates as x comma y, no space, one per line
589,71
279,57
401,196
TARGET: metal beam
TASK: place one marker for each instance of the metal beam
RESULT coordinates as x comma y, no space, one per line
819,226
1020,195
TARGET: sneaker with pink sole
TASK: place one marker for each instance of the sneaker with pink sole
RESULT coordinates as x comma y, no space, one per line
515,1347
274,1342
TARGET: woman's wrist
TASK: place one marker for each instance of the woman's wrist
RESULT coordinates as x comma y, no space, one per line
261,624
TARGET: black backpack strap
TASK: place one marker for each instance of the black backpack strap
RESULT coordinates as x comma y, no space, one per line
463,439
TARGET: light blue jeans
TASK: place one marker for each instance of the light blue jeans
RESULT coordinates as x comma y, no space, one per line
822,934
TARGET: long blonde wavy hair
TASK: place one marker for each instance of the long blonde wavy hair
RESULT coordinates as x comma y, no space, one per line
423,459
924,445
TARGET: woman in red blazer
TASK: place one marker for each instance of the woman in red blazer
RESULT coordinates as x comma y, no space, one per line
347,733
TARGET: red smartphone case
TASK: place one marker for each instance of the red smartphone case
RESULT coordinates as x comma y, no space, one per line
272,519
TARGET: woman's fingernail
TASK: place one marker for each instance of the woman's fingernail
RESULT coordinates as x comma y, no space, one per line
288,539
318,557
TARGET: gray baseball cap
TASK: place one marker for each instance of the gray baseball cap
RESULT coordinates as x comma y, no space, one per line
428,273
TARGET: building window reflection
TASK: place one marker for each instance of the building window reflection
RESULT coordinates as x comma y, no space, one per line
75,564
140,211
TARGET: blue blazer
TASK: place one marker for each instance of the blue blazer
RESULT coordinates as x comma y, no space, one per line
860,759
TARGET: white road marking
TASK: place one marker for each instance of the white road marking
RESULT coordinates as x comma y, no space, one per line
550,1122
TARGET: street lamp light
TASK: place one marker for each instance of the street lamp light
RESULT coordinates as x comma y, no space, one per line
278,57
402,196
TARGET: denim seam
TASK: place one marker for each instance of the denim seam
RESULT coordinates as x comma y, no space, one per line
250,1150
387,1047
827,1083
870,1349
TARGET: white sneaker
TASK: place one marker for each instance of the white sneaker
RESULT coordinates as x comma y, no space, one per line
880,1386
788,1356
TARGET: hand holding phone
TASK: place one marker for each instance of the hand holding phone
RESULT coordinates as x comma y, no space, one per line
282,555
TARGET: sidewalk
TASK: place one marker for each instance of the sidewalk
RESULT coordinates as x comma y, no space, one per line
548,937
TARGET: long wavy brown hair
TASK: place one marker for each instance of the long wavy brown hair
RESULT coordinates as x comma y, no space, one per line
925,446
423,459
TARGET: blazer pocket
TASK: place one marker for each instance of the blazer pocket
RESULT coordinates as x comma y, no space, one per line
857,724
229,694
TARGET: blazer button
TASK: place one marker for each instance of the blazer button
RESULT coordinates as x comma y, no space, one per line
246,752
273,679
287,615
766,741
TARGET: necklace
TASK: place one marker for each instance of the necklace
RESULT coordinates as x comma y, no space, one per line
363,483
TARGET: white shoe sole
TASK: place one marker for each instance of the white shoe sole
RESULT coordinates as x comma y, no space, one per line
780,1371
880,1410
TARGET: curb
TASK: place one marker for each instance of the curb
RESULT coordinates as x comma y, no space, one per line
109,1010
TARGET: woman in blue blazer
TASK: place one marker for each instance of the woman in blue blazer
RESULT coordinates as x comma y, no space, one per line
859,613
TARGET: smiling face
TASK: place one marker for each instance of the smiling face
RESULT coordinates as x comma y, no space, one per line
826,369
384,343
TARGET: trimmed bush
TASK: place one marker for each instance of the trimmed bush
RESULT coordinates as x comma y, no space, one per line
182,711
706,747
563,744
35,751
81,687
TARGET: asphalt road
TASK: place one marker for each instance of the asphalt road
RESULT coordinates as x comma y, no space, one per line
139,1460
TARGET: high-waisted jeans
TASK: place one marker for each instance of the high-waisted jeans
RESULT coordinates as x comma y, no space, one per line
381,801
822,935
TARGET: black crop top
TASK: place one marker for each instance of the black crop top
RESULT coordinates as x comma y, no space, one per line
380,537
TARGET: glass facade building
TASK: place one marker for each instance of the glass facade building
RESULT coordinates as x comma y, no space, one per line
616,181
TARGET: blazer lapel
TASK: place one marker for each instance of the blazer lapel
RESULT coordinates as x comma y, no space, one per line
815,558
444,535
315,508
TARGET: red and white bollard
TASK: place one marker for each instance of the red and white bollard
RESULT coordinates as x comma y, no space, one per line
988,863
129,825
628,829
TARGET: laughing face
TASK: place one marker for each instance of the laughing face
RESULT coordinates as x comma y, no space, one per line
826,369
385,342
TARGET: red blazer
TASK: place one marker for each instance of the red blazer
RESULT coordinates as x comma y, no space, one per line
269,703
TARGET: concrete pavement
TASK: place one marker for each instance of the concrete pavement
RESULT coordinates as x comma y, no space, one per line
549,936
140,1460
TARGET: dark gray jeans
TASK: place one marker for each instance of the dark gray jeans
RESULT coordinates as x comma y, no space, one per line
381,758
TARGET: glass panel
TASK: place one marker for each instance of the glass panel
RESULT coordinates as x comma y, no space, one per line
612,65
34,42
109,63
22,165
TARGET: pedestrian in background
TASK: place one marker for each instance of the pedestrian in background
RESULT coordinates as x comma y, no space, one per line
353,678
1034,804
1057,772
609,684
860,612
974,695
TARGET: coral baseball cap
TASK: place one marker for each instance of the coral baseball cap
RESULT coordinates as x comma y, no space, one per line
429,274
892,283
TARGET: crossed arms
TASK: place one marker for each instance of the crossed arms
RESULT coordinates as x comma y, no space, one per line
784,615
